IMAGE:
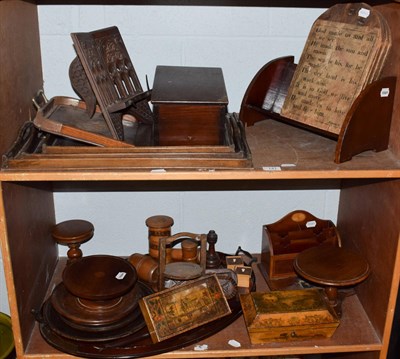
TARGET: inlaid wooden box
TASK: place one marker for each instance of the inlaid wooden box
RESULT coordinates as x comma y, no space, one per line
189,104
288,315
178,309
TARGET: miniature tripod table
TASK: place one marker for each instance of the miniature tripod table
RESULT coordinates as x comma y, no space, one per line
332,267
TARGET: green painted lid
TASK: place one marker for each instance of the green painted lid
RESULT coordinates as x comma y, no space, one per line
6,336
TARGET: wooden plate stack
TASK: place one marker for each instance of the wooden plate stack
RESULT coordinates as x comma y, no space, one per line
97,300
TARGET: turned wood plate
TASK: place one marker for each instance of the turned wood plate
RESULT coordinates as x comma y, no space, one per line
99,277
136,345
94,313
129,319
58,325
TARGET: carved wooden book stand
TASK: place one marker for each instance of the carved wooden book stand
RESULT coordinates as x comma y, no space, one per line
365,127
103,72
103,76
336,89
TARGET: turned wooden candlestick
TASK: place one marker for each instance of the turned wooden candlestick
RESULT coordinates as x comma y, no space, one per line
73,233
213,259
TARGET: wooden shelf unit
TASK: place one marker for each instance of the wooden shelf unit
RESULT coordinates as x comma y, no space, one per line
368,211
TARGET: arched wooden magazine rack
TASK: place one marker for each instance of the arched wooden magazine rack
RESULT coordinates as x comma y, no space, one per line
365,127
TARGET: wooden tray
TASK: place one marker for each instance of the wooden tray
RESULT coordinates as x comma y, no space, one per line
68,117
41,151
139,344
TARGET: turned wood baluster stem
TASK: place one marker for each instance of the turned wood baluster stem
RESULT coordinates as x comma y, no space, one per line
213,260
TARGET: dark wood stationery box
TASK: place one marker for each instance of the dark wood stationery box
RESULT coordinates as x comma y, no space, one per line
189,104
288,315
284,239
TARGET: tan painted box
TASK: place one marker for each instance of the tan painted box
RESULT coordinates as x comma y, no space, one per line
288,315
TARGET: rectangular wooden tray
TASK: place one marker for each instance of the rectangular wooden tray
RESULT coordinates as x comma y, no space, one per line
52,149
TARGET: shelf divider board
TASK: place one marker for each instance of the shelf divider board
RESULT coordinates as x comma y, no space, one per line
361,208
21,69
30,254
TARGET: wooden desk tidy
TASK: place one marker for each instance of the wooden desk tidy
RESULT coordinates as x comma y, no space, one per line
284,239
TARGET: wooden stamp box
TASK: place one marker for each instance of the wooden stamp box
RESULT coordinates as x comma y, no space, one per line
288,315
189,104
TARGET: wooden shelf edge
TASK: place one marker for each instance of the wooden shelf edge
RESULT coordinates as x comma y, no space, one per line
204,175
242,3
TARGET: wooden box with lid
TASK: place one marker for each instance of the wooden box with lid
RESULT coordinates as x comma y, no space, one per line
288,315
190,105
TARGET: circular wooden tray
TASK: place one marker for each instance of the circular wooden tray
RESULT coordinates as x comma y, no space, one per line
99,277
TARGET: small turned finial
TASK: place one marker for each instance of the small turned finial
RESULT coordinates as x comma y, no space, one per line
73,233
213,260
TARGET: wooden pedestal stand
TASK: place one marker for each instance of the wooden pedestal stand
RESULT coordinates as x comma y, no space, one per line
366,125
332,267
73,233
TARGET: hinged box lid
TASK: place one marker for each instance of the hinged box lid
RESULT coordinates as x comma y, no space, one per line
185,84
288,315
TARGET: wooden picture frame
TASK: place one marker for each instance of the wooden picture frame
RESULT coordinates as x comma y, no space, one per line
181,308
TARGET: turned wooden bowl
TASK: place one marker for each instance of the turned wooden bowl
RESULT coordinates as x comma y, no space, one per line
99,277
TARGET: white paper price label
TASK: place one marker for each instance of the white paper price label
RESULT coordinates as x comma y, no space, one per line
120,275
385,92
363,13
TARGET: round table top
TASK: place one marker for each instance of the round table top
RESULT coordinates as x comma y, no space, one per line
99,277
73,231
330,265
